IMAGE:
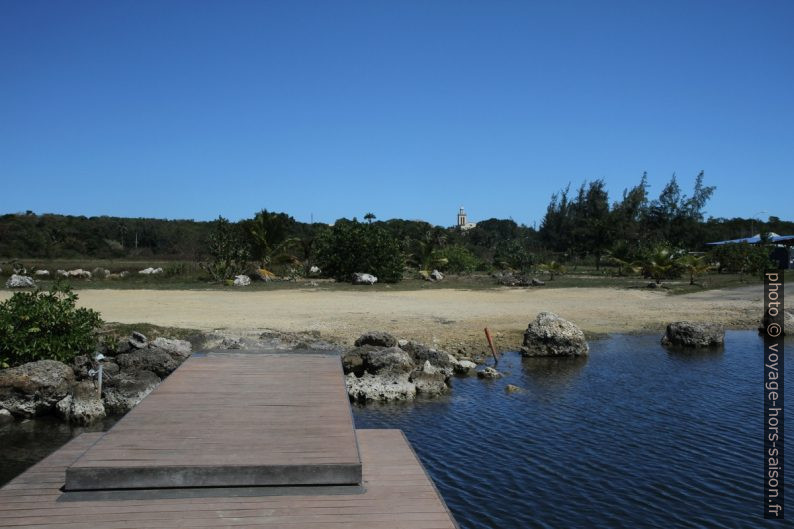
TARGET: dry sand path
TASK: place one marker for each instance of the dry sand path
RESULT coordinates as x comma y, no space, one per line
449,318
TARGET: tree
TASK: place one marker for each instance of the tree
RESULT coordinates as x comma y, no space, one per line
693,265
350,247
369,217
269,240
228,252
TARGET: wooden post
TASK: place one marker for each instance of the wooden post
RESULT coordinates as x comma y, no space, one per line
490,342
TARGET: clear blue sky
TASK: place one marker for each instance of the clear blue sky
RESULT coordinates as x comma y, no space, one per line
191,109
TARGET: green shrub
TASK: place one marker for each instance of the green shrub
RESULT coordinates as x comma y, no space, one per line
514,254
351,246
741,258
459,260
42,325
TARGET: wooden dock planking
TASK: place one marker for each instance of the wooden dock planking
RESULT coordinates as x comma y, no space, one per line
398,495
231,420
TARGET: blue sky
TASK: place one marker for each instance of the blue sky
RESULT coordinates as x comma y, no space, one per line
191,109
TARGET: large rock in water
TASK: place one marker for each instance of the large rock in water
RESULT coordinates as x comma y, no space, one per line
550,335
391,360
125,390
83,406
430,381
20,281
34,389
377,338
421,353
692,334
380,388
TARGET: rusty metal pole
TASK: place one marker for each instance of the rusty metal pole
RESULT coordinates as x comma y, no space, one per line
490,342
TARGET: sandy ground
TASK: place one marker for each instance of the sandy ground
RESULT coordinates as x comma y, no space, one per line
447,318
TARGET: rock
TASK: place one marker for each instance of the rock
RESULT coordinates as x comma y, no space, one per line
79,273
435,275
364,279
83,406
429,380
5,416
19,281
150,271
315,271
101,273
420,353
424,274
377,338
34,388
510,388
692,334
242,281
389,360
535,282
489,373
87,406
62,273
465,367
124,391
124,274
550,335
788,322
138,340
380,388
81,365
510,279
353,361
181,348
63,408
155,360
232,343
42,273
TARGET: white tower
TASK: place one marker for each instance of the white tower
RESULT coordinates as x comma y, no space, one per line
461,218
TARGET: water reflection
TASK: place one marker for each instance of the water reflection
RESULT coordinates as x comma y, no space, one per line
553,372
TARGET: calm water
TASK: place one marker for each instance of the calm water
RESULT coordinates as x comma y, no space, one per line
631,437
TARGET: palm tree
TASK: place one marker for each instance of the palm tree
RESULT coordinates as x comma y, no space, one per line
693,265
425,254
369,217
269,241
657,263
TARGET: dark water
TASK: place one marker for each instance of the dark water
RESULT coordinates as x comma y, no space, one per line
632,437
25,443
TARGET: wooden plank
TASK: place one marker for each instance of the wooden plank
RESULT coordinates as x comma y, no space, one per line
398,494
224,420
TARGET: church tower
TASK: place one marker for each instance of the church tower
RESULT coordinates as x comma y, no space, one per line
461,218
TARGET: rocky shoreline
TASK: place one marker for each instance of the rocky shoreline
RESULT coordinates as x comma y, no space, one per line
378,367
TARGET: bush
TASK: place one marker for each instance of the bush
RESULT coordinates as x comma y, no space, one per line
351,247
741,258
459,260
514,254
42,325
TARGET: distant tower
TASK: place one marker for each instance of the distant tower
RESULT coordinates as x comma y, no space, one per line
461,218
463,223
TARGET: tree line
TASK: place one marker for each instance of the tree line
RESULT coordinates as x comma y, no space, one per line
579,227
